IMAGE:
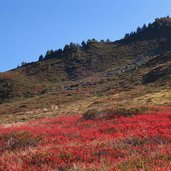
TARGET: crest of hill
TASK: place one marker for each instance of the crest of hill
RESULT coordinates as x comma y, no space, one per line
160,28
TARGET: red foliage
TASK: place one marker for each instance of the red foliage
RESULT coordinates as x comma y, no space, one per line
141,142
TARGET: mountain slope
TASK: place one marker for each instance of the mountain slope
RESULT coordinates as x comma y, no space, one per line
94,75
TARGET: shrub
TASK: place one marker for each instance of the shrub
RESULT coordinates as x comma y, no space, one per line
90,114
113,112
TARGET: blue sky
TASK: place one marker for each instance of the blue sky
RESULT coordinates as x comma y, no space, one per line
28,28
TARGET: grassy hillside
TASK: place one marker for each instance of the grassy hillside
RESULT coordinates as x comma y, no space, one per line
98,106
134,71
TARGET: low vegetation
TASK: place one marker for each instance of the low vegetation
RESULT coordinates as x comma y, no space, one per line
114,112
140,142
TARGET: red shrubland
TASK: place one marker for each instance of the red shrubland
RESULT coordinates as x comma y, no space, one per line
123,143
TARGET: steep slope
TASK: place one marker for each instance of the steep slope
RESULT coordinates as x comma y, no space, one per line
94,75
84,63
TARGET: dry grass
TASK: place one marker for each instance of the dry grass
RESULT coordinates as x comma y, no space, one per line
80,102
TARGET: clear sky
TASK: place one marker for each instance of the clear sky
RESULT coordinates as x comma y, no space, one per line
28,28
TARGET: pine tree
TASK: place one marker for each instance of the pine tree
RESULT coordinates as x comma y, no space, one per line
83,44
41,58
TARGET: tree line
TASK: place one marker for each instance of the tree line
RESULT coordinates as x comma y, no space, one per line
72,47
157,23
